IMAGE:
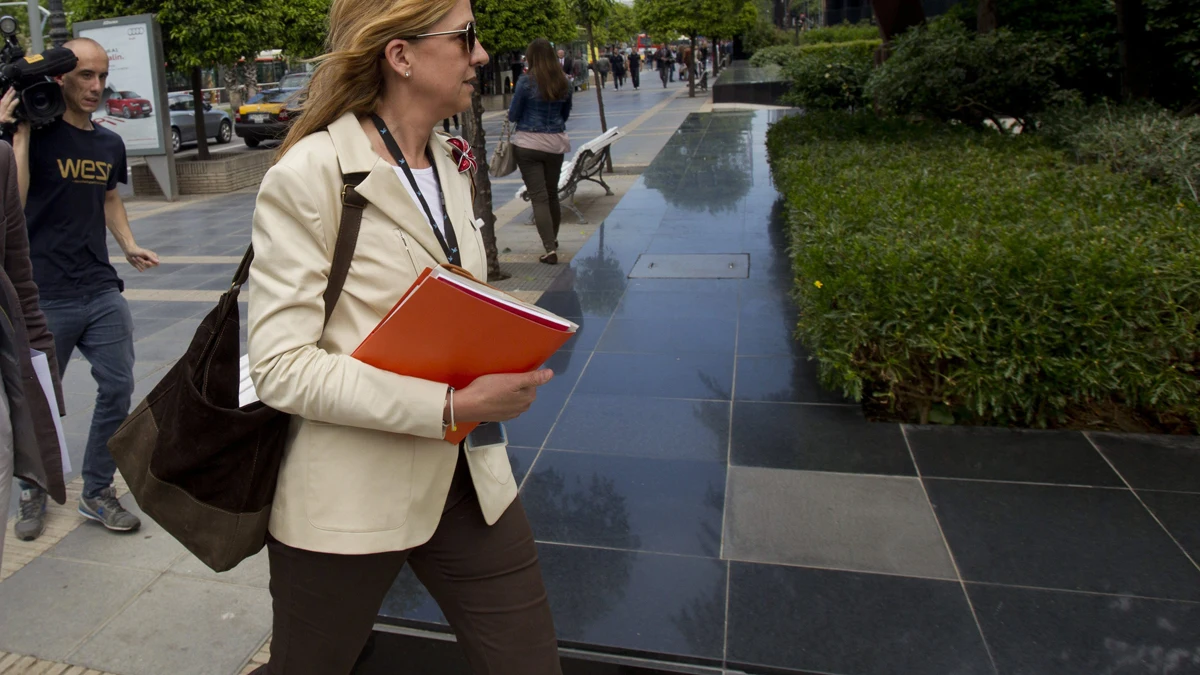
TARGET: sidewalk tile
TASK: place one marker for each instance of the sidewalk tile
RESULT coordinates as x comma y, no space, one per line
253,571
847,622
840,521
182,627
148,548
72,599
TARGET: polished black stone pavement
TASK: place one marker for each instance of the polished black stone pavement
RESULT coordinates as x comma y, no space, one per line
702,503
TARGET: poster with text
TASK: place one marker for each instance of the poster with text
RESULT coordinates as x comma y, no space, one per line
126,106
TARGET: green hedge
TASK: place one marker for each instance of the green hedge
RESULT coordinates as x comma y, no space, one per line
1142,139
830,76
780,55
845,32
946,72
951,271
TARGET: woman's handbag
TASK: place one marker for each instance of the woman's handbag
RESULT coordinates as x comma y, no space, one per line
203,467
504,159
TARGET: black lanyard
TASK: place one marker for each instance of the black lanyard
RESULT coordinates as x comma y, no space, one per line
449,242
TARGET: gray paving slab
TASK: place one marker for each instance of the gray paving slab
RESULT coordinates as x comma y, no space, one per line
182,627
50,606
253,571
148,548
841,521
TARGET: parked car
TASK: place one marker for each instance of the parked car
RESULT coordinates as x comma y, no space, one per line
217,123
295,80
128,104
266,116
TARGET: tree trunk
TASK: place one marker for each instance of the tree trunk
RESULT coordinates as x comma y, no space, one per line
248,75
689,63
988,19
1131,28
599,89
198,100
229,80
472,123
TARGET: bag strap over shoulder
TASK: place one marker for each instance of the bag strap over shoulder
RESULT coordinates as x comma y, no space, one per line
347,239
343,250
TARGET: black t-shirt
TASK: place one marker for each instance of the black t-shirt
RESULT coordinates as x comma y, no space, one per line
70,174
635,61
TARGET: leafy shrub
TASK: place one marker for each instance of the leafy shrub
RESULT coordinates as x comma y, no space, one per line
777,54
1142,139
942,268
764,35
946,72
845,32
830,76
781,54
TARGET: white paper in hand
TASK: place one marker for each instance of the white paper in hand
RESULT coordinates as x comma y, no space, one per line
41,366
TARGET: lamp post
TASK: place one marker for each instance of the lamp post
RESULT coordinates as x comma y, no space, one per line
58,23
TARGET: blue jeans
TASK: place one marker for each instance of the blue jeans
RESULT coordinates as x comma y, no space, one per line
101,327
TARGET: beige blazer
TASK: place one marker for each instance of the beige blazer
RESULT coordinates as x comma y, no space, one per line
366,469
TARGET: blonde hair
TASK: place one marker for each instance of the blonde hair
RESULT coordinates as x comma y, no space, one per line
349,75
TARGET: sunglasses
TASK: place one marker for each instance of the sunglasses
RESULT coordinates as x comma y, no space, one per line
468,34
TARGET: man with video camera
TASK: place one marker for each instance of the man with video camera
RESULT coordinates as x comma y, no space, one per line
68,171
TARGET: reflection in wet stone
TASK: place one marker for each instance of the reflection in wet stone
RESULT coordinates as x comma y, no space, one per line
712,175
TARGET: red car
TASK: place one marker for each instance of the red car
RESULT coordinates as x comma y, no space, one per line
128,104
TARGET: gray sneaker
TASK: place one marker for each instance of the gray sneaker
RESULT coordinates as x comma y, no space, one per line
106,510
32,515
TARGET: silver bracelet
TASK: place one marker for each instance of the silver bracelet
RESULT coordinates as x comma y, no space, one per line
453,426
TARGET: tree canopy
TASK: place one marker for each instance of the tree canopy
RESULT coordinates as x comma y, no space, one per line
710,18
198,32
621,25
510,25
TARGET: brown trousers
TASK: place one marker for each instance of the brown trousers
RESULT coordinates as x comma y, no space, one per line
485,579
541,171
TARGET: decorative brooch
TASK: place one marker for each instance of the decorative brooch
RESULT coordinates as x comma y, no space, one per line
463,155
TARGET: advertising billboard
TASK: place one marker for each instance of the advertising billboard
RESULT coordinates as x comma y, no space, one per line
133,104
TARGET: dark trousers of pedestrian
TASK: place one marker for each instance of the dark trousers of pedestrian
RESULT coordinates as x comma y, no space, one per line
636,77
446,124
541,171
603,80
486,580
671,71
101,327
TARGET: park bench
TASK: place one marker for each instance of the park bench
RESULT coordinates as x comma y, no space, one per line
588,164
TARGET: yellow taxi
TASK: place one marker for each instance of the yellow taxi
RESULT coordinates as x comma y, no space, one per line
266,116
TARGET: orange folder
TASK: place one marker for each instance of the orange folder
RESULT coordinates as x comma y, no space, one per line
448,328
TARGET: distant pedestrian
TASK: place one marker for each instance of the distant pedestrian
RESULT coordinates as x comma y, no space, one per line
662,63
567,63
540,108
635,68
671,60
518,69
579,74
618,69
602,65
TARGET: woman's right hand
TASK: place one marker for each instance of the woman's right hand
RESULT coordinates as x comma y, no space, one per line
497,398
8,106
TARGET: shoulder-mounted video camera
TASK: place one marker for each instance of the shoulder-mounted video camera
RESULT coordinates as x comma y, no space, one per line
41,98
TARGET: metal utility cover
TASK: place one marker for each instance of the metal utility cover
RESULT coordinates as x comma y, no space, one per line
692,266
